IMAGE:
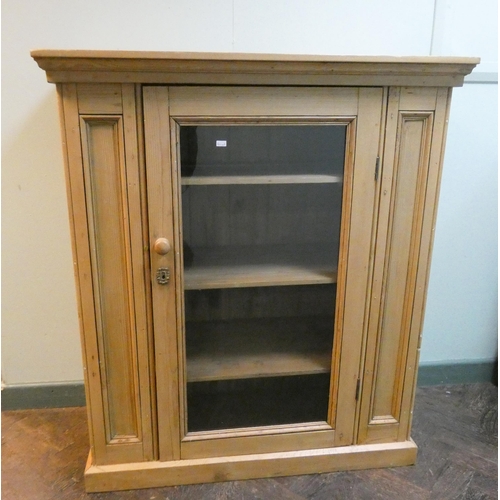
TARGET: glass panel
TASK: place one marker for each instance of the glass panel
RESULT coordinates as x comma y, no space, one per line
247,235
230,404
262,150
261,211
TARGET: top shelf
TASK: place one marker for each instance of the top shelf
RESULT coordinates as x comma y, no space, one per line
260,179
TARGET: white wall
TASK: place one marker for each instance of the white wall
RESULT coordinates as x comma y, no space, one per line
462,303
39,319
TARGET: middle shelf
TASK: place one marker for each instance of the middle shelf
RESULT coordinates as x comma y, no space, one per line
261,179
269,265
262,347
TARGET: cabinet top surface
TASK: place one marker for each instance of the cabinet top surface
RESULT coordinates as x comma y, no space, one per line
250,69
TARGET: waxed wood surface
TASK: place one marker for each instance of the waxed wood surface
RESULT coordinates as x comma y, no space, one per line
102,155
44,454
410,175
104,166
161,215
83,224
250,69
355,261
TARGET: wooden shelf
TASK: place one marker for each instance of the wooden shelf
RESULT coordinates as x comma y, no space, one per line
261,347
260,179
237,267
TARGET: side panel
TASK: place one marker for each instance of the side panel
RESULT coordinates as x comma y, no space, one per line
105,206
110,254
411,166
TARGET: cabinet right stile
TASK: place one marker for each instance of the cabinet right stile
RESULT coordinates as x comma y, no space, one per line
416,122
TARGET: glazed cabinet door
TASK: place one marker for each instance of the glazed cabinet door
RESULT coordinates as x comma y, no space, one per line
261,207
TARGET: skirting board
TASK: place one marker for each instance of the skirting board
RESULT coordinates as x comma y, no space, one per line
457,373
23,397
209,470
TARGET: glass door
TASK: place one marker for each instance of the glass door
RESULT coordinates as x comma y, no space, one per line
261,203
261,215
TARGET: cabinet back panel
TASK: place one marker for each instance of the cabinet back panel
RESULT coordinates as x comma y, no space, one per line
260,215
263,302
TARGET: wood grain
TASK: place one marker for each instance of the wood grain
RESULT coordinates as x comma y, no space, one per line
429,214
138,265
105,177
75,182
257,440
250,69
409,189
159,172
95,98
357,256
216,469
410,179
104,450
261,179
262,103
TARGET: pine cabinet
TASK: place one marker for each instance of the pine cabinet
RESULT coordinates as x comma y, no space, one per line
251,238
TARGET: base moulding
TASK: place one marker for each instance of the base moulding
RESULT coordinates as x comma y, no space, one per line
99,478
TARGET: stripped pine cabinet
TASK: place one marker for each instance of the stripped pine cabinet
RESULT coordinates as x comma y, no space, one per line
252,239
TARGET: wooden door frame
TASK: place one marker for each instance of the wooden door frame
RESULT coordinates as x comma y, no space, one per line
363,109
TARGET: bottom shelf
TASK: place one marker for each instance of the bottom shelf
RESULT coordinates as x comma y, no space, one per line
232,404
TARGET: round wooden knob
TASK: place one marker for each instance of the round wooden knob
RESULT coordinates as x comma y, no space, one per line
162,246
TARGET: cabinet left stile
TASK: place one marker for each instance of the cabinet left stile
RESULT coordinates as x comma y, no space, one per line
102,171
